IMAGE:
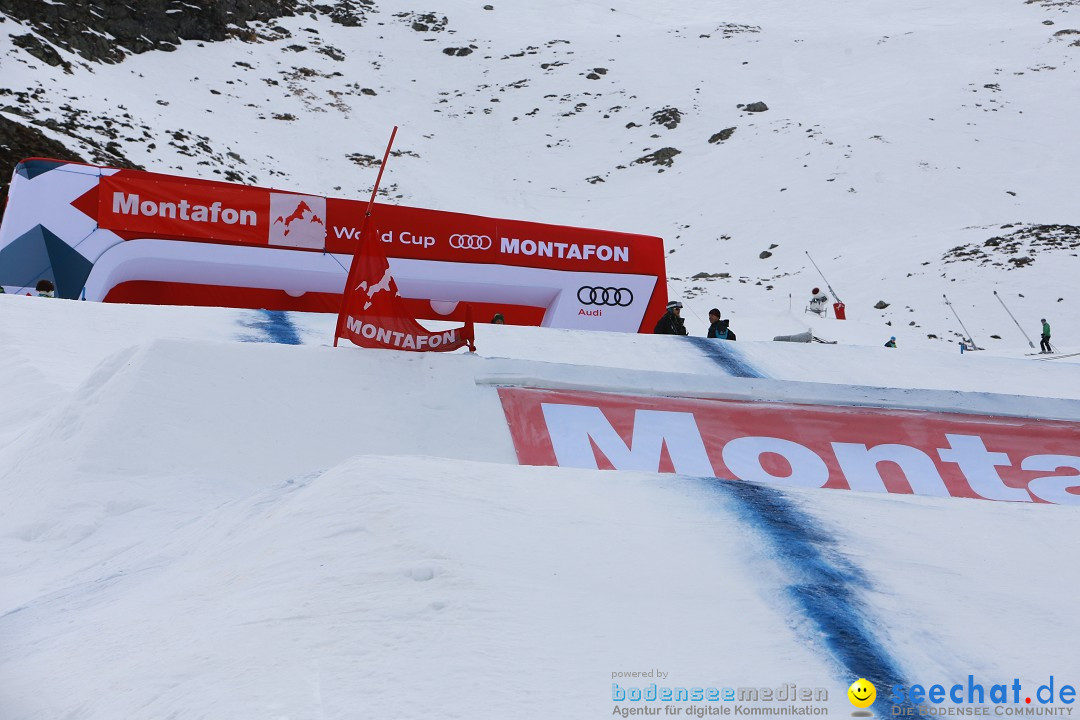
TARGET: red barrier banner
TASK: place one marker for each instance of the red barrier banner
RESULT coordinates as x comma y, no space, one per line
853,448
177,209
143,237
138,204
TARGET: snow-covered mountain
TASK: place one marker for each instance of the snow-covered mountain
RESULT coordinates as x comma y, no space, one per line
912,149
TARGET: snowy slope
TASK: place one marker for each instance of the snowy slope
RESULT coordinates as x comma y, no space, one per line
207,521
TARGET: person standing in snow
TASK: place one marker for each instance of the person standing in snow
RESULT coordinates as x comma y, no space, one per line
1044,346
892,342
671,323
718,329
817,302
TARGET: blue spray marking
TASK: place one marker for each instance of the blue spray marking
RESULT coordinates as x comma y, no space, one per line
272,326
724,354
824,585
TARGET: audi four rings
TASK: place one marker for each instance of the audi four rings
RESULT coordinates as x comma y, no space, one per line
470,242
618,297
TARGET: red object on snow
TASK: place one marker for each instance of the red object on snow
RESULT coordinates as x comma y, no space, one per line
838,309
881,450
374,315
372,311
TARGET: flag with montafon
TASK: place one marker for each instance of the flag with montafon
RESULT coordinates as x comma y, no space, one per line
373,314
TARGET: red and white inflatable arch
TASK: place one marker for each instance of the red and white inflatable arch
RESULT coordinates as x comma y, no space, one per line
129,236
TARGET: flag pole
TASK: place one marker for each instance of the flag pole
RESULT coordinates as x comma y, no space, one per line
968,338
1030,344
823,276
360,238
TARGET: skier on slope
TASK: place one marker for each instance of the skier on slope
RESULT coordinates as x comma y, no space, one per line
892,342
1044,346
671,323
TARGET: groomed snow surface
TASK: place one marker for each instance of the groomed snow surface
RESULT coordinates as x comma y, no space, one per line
211,513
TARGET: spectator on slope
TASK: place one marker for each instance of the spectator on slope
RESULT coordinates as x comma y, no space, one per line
718,329
45,288
817,302
1044,345
498,319
671,323
892,342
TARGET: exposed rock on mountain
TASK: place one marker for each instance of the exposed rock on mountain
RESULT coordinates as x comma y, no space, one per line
664,157
722,135
669,117
1019,247
106,31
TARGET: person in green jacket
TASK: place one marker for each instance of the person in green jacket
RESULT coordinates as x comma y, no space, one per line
1044,346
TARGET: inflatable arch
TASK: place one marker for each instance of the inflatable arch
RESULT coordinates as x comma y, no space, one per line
111,235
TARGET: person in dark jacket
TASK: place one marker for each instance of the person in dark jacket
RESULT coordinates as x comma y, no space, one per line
672,322
718,328
892,342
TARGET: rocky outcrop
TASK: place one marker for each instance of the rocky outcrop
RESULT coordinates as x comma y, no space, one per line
722,135
1019,247
41,50
664,157
669,117
106,31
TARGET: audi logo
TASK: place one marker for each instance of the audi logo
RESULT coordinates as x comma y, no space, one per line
470,242
617,297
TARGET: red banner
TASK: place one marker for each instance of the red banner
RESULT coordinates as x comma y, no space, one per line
293,247
157,208
138,204
373,313
868,449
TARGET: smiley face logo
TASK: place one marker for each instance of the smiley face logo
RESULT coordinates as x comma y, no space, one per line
862,693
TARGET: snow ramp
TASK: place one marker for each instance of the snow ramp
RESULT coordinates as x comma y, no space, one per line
215,527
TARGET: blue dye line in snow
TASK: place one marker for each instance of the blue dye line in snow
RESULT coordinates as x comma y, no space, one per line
824,585
724,354
272,326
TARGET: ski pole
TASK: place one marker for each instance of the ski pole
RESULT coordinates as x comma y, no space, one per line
823,277
1030,344
969,338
